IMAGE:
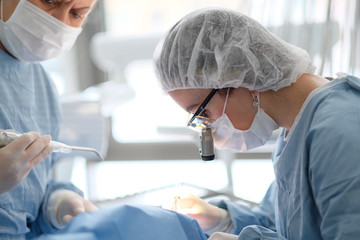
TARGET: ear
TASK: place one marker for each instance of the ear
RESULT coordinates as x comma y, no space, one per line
254,94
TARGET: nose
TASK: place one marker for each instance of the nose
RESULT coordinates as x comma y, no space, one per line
62,15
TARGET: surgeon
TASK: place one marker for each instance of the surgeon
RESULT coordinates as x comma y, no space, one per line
254,83
32,31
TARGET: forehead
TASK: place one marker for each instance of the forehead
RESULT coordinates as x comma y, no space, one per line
75,3
189,99
71,3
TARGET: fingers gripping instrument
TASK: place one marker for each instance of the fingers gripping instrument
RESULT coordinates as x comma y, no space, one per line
7,137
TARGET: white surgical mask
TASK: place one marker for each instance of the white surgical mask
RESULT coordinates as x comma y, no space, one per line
226,136
33,35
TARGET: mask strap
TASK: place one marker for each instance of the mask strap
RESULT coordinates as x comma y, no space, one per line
226,99
256,99
2,7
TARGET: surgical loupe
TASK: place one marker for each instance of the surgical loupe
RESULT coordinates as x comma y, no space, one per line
202,125
206,145
7,137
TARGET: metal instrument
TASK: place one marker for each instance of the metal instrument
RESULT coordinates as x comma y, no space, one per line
206,145
7,137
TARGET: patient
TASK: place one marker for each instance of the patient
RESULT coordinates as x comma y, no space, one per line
130,222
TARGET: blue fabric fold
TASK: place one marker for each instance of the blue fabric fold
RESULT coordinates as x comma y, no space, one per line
130,222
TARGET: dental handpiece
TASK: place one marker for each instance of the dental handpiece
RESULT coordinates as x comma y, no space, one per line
8,137
206,145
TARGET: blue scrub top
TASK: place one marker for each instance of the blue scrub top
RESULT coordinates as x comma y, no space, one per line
317,168
28,102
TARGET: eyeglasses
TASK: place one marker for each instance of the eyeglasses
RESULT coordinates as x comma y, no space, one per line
198,122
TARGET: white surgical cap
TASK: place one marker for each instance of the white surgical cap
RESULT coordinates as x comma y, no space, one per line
221,48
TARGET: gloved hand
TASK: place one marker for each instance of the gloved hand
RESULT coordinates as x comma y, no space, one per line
223,236
64,205
19,157
209,217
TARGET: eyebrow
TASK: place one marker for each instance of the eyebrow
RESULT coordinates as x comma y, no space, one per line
82,8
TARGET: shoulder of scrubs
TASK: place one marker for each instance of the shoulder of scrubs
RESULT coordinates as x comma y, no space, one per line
42,224
333,147
353,82
242,216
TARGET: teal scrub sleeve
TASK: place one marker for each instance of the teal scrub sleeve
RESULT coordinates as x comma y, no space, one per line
256,232
243,216
42,225
334,169
69,236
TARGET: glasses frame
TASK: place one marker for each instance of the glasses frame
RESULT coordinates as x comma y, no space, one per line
202,105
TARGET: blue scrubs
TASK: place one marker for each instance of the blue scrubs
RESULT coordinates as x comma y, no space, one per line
130,222
28,102
317,168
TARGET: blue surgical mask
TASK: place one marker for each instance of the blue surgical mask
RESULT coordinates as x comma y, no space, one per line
226,136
